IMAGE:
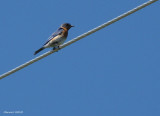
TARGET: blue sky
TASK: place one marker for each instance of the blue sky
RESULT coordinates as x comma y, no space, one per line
113,72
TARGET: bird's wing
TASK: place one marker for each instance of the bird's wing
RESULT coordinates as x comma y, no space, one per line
58,32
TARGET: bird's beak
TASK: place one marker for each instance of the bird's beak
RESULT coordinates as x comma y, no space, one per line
72,25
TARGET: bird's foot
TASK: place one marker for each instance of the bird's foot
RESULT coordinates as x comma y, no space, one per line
56,48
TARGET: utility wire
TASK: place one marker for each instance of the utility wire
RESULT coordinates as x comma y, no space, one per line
78,38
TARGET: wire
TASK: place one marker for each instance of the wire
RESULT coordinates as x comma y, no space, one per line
78,38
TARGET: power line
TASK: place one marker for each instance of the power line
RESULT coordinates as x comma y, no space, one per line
78,38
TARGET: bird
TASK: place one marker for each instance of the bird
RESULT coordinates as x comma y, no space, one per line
57,38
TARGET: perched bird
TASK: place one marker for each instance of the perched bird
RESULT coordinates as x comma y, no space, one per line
57,38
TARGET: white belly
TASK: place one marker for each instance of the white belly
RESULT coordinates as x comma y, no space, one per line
55,42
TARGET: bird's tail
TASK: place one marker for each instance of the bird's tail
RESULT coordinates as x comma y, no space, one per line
38,50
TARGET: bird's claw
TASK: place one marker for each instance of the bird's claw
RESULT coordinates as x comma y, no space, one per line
58,48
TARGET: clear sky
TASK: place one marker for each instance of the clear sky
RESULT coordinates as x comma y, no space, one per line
113,72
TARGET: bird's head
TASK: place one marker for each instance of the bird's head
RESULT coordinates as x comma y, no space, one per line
67,26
